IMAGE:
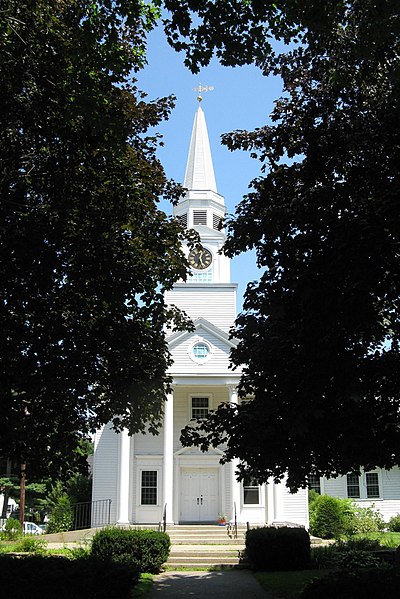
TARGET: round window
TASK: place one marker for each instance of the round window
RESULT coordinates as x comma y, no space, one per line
200,351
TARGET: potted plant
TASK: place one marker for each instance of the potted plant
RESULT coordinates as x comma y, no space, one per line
221,519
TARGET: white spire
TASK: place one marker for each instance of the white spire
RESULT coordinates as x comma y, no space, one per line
199,173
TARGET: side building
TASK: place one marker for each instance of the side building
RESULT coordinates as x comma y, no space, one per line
144,475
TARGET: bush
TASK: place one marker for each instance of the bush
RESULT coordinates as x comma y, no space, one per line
146,550
347,555
31,544
48,577
394,523
367,584
331,518
367,519
12,529
274,549
61,519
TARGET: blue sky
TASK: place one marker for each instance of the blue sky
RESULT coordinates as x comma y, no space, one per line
242,99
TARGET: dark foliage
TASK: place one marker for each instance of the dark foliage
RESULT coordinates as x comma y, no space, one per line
146,550
273,549
49,577
319,333
367,584
85,252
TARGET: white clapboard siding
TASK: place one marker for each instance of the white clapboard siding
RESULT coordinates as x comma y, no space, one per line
217,363
388,503
105,468
215,303
295,506
182,405
148,444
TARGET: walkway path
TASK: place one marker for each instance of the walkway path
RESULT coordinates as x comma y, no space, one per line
224,584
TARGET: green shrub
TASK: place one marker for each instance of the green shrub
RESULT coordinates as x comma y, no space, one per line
61,518
146,550
31,544
12,529
272,549
368,584
366,519
331,518
49,577
394,523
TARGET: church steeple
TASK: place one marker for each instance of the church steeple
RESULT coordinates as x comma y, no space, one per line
202,208
199,173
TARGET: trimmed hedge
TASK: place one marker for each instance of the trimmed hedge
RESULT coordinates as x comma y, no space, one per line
49,577
394,523
330,517
145,550
272,549
368,584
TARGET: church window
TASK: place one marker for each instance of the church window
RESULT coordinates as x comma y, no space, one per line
353,486
365,486
149,487
372,485
182,218
216,221
314,482
199,217
202,276
251,491
200,407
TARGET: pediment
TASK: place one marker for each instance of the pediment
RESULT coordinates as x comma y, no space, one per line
201,325
196,451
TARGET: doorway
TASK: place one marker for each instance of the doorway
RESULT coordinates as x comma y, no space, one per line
199,495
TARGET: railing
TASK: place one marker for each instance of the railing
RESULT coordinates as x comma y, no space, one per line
91,514
163,524
232,528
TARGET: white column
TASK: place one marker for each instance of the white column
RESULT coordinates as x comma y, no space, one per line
236,485
124,478
278,502
168,460
270,515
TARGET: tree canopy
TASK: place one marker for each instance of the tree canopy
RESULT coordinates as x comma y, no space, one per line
319,332
85,252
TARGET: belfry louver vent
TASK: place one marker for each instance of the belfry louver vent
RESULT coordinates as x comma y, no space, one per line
216,221
200,217
182,218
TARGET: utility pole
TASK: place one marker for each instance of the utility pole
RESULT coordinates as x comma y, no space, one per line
22,495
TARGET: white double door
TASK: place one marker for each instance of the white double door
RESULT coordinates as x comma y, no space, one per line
199,495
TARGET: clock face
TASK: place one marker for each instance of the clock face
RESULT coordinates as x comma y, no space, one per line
200,258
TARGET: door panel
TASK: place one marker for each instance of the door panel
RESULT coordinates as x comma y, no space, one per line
199,495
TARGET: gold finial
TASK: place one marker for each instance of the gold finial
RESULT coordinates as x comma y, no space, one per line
202,88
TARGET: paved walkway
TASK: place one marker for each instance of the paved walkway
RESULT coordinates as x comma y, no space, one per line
224,584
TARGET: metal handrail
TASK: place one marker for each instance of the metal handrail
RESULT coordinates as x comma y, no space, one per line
234,506
165,518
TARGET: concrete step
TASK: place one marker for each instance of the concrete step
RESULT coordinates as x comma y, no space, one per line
197,541
202,562
193,550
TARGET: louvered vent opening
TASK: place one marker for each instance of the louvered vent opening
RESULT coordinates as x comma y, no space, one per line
182,219
200,217
216,222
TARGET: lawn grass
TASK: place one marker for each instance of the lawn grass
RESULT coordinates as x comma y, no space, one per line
142,587
391,540
287,585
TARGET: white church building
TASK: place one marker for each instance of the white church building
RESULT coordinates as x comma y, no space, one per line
144,475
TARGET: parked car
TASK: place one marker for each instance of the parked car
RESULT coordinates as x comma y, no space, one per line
30,528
